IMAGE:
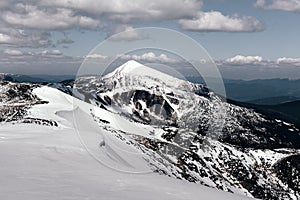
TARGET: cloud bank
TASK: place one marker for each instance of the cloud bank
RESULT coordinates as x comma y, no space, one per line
244,60
30,23
285,5
216,21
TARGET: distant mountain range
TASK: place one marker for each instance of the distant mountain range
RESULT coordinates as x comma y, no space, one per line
38,78
262,92
274,100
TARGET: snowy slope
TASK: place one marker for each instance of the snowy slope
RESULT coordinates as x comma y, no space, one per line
44,162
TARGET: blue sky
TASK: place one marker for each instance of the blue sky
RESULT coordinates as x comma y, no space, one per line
247,39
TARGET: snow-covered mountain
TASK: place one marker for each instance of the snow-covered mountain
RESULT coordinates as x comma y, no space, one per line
175,128
49,162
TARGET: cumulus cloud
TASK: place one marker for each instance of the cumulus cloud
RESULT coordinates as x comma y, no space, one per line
259,61
136,11
86,14
22,38
13,52
149,57
96,56
50,53
41,58
4,38
286,5
290,61
25,22
38,62
29,20
31,16
44,53
256,67
146,57
244,60
126,33
216,21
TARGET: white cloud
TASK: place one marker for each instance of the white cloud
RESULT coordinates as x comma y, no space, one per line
286,5
12,56
4,38
38,62
255,67
291,61
216,21
44,53
13,52
31,16
86,14
29,20
21,38
133,11
149,57
126,33
244,60
259,61
50,53
26,21
96,56
146,57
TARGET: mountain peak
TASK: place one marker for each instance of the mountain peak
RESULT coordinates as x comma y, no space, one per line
132,62
129,66
134,68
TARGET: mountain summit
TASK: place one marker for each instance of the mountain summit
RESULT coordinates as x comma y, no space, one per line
133,69
130,66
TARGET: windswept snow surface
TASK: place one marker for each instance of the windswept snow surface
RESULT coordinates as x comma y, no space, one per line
42,162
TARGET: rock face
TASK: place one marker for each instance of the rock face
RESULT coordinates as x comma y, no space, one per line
288,170
188,132
16,99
